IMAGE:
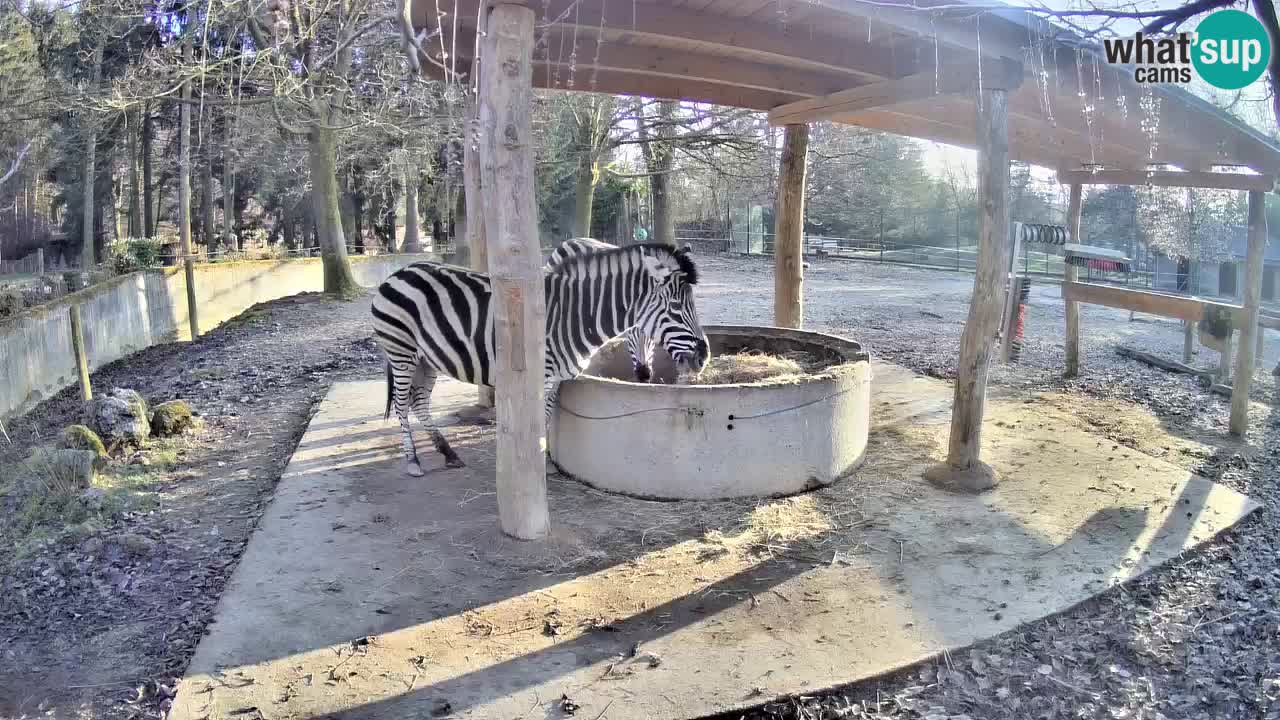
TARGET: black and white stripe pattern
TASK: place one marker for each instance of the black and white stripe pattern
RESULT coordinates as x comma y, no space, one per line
640,346
432,319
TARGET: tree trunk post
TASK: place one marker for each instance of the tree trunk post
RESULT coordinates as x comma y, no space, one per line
1072,274
1247,354
962,468
515,258
184,196
473,192
148,191
412,227
1188,339
788,252
322,145
77,348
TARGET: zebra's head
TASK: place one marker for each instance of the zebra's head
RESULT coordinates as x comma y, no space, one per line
669,313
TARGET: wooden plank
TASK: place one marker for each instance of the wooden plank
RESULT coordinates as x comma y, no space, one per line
665,88
515,259
984,310
1246,354
1178,307
675,63
1071,274
77,348
1170,178
473,188
1011,297
950,80
788,277
1159,362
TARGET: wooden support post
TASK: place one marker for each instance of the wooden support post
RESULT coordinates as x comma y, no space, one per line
515,261
1009,317
1188,339
1072,274
1247,353
474,192
39,261
788,219
77,348
962,468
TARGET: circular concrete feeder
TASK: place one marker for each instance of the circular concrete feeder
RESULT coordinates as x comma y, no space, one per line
700,442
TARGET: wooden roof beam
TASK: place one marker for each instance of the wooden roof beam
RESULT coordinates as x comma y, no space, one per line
953,79
682,66
814,50
1169,178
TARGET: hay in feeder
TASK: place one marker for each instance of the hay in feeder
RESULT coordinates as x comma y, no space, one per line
752,366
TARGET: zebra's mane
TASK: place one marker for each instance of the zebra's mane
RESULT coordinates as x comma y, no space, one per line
684,263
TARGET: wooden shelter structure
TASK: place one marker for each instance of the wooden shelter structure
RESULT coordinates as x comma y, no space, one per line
1005,82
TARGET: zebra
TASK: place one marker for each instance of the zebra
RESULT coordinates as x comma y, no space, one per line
431,319
639,345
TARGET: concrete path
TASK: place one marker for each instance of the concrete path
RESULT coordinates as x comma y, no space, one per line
368,594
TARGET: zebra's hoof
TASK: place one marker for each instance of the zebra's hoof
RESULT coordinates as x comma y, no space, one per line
454,462
413,469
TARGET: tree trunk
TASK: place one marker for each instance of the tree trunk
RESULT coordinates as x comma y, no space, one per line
88,258
135,189
148,192
584,193
184,194
184,165
206,184
228,203
788,277
664,221
286,221
322,149
411,242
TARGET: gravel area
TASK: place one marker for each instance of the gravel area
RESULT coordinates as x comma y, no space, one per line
1197,639
100,626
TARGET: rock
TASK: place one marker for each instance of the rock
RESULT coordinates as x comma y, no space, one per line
59,471
171,418
121,416
81,437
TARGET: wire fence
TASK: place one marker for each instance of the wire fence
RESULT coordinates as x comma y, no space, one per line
1047,263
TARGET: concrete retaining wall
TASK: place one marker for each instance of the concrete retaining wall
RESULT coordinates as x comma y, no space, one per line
135,311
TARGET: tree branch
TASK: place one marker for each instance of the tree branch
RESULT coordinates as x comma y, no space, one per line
17,162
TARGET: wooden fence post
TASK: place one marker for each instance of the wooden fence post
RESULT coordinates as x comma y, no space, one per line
1072,274
77,348
515,260
788,238
1245,354
962,468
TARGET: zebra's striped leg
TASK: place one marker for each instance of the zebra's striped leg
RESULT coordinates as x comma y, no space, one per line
551,392
402,380
424,381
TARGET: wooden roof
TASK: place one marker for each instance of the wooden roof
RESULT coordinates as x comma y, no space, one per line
873,63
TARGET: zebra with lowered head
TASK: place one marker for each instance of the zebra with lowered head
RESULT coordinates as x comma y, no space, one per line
432,319
639,345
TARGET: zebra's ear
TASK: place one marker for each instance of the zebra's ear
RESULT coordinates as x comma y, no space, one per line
688,248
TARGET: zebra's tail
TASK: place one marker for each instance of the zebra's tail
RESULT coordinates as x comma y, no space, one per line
387,414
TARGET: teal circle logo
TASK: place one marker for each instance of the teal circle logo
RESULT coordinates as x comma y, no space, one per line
1232,49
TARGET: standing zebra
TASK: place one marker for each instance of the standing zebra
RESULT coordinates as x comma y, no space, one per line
431,319
639,345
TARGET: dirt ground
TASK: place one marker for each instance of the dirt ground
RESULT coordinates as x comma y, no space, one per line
100,626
